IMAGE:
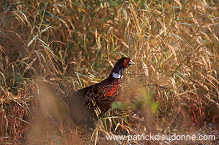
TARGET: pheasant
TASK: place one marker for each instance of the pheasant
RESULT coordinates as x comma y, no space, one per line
85,106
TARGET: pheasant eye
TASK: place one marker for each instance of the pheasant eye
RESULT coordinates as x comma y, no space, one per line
125,63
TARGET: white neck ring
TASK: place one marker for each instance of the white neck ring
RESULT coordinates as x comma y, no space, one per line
117,75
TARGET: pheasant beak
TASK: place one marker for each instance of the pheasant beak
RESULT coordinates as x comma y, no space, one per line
131,62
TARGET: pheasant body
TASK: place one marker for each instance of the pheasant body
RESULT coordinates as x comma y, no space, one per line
87,104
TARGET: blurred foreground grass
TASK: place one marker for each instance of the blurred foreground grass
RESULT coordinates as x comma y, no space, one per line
71,44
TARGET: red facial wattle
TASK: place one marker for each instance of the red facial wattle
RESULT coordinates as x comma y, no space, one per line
126,62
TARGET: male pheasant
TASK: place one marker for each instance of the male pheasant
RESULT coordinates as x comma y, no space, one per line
86,105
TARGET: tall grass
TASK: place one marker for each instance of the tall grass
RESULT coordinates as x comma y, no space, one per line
72,44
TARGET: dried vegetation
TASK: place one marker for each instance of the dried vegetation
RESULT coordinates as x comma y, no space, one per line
52,48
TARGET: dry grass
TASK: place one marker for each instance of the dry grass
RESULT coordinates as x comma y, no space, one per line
173,88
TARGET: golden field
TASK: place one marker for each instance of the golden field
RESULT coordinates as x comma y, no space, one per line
49,49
